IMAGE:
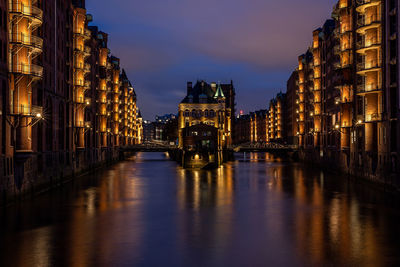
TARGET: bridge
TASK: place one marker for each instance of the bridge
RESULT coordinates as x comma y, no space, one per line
152,146
159,146
264,147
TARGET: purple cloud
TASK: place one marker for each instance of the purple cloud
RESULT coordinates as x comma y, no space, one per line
164,43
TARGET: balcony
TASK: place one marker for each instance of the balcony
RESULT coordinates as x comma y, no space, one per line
339,8
87,67
345,30
27,110
84,33
373,117
78,48
34,42
362,5
80,124
80,100
363,89
87,33
345,47
340,65
346,99
368,44
27,69
78,82
367,23
87,51
78,66
368,66
87,84
34,14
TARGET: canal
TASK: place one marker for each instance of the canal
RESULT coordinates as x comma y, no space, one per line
255,211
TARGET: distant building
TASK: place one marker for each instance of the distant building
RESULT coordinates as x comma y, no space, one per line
165,118
347,91
266,125
208,104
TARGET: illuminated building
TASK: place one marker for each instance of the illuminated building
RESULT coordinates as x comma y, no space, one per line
210,105
348,94
263,125
58,84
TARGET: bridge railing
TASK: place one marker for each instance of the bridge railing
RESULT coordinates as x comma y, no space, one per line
263,145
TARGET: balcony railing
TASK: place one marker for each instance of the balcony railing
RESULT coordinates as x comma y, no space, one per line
85,33
87,67
368,20
340,65
368,65
26,110
362,4
27,69
80,124
78,82
17,7
78,48
87,84
373,117
87,50
371,87
80,100
78,65
345,29
367,43
26,39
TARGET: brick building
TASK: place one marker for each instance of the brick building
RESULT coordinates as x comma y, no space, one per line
65,104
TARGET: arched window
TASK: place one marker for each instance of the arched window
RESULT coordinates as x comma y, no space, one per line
206,113
186,113
194,113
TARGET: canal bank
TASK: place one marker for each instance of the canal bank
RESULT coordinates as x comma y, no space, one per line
343,163
38,181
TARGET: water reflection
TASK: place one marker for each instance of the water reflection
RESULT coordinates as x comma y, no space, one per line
258,210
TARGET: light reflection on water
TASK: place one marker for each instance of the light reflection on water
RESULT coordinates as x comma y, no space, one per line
256,211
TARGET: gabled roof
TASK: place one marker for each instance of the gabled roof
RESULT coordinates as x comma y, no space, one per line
219,93
200,90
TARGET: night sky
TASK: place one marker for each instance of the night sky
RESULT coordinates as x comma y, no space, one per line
165,43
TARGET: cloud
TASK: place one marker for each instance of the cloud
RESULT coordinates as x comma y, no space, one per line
164,43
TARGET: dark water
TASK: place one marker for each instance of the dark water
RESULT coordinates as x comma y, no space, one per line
253,212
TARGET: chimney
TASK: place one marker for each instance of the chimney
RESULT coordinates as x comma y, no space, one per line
189,88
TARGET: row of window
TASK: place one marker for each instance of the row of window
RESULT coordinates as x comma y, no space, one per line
199,113
211,123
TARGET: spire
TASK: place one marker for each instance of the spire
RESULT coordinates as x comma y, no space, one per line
219,93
